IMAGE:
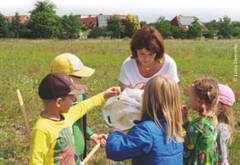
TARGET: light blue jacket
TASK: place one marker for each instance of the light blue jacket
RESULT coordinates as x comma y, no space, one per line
145,144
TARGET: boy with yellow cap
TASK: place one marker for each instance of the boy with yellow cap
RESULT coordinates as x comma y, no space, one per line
72,65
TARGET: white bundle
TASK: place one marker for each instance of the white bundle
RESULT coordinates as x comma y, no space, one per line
120,111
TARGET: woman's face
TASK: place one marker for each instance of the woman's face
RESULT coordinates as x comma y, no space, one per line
145,57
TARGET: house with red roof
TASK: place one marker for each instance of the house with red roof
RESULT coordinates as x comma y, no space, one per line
185,21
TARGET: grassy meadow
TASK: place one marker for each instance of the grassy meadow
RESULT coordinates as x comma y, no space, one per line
23,63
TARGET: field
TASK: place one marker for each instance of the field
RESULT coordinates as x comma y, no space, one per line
23,63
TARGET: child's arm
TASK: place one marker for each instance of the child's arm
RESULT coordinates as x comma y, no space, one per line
224,136
89,132
78,110
190,141
137,142
39,147
192,134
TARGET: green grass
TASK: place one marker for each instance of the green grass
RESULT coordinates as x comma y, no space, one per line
23,63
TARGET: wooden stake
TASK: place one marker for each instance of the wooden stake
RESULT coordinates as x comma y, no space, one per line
24,113
96,147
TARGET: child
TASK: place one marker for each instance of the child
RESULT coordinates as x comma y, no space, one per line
226,99
157,139
70,64
52,141
200,143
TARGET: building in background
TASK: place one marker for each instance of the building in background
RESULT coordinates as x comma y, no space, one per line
89,21
100,20
23,18
185,21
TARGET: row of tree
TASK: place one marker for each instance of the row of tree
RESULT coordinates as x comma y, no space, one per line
223,28
45,23
117,28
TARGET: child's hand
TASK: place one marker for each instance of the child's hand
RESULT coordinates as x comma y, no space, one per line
101,138
225,162
184,110
113,91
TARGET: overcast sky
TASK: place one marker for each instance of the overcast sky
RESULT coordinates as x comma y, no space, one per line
147,10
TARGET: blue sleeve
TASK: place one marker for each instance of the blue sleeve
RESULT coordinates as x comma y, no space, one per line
138,141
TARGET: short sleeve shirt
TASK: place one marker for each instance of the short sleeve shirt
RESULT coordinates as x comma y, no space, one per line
130,75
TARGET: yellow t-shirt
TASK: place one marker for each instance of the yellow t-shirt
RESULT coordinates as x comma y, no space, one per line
53,141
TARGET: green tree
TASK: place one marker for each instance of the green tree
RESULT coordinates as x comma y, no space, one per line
225,27
3,26
236,32
69,27
115,26
99,32
131,24
15,26
177,32
143,23
236,29
195,30
213,27
44,23
164,26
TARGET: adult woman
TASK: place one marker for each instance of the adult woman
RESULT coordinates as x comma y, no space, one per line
148,59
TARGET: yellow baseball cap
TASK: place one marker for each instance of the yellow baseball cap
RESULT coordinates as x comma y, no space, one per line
70,64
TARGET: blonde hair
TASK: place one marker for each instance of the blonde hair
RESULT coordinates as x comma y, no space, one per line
162,96
207,89
226,115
